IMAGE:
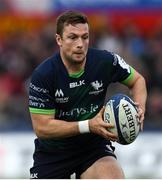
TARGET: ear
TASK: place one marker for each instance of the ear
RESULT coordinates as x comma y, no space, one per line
58,39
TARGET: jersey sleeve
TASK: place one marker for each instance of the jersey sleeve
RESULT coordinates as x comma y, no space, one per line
122,72
41,100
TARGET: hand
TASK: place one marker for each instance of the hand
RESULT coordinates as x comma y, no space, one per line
98,126
141,115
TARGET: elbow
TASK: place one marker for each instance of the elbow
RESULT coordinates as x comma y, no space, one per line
142,79
41,132
42,125
139,80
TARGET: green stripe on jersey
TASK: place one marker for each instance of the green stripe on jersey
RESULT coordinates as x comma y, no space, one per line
130,77
77,75
41,111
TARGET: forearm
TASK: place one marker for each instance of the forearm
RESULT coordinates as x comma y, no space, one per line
60,129
48,127
139,92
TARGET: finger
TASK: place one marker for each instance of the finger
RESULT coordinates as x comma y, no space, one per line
140,115
109,135
102,110
101,113
108,125
136,103
137,106
142,122
141,128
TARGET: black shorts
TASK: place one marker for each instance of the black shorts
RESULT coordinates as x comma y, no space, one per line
60,164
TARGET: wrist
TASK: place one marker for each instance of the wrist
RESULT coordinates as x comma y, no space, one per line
84,126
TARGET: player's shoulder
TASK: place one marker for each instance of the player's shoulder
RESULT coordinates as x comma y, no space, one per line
48,67
101,54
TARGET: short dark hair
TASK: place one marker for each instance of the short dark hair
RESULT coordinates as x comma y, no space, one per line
69,17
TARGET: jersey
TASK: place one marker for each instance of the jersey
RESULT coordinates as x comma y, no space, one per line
75,97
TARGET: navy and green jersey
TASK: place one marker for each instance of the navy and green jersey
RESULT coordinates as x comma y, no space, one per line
75,97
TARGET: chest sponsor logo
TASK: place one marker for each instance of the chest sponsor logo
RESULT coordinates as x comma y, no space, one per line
77,84
79,111
97,87
60,98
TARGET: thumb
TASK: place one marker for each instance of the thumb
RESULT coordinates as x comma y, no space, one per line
102,111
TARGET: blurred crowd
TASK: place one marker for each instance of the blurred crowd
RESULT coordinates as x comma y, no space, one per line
21,52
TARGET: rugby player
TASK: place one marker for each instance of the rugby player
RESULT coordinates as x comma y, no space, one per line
66,101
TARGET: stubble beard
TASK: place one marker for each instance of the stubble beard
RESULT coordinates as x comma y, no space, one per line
74,62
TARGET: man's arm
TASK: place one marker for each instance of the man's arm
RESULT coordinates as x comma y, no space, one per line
45,126
138,92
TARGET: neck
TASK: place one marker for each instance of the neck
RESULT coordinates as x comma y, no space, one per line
73,67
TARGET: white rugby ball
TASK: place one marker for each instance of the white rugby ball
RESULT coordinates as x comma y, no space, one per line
121,111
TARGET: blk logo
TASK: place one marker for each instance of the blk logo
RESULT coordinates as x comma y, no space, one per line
77,84
34,176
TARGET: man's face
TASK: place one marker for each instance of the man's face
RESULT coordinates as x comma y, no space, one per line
74,42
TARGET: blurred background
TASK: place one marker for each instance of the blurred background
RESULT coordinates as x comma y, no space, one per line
130,28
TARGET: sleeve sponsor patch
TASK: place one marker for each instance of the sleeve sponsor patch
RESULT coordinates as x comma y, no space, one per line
121,62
